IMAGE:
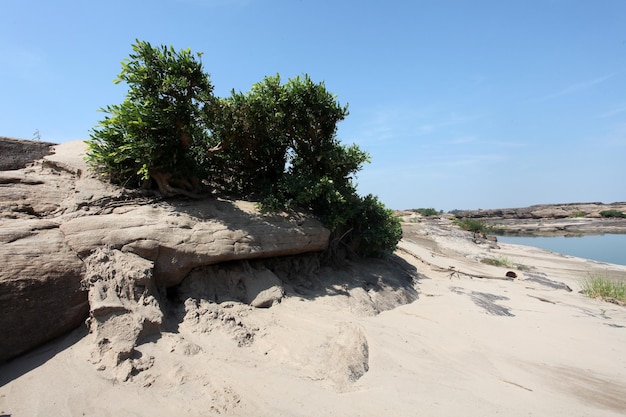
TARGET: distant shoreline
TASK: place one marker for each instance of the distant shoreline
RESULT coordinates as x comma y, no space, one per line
558,227
570,219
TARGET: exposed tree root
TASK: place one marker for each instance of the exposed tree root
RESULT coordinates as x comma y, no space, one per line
169,187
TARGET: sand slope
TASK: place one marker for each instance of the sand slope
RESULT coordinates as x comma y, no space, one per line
467,346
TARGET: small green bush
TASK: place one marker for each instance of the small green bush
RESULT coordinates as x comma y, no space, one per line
499,261
472,225
426,212
377,227
597,286
612,213
578,214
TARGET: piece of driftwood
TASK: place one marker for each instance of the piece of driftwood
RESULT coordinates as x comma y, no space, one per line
454,272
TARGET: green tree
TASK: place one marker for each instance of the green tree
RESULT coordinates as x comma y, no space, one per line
160,129
249,130
279,141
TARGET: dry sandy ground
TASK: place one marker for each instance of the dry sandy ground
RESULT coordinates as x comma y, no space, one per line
467,346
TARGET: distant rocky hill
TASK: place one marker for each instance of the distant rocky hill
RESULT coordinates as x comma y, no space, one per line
552,219
545,211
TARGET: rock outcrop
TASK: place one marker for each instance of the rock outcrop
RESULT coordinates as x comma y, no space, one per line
40,285
55,217
552,219
17,154
178,238
545,211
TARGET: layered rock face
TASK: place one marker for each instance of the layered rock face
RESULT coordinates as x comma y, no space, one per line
40,285
178,238
17,154
55,215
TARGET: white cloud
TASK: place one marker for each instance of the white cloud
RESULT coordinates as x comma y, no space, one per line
387,123
613,112
506,144
407,123
462,140
574,88
217,3
471,160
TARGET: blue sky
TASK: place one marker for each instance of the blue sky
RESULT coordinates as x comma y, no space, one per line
462,104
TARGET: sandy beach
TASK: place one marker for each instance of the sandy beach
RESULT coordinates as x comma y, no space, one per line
473,343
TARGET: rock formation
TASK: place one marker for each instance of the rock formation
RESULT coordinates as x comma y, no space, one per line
180,237
57,217
545,211
40,285
17,154
124,309
552,219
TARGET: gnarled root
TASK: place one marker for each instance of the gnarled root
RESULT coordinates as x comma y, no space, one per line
170,188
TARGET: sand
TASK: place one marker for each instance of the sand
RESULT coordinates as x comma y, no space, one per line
468,346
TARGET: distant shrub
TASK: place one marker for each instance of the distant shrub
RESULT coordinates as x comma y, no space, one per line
499,261
426,211
612,213
578,214
472,225
505,262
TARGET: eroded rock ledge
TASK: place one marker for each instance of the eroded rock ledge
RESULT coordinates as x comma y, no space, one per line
75,249
54,214
17,153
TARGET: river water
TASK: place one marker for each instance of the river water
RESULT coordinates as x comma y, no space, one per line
605,248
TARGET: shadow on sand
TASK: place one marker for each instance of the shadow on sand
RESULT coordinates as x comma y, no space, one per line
33,359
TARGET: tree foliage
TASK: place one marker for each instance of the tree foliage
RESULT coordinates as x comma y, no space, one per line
160,127
250,130
276,142
279,141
